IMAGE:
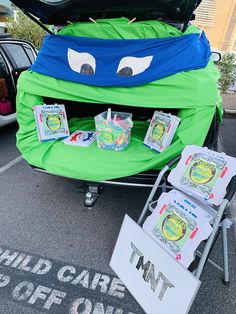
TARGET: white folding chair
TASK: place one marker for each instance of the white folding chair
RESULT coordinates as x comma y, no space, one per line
220,224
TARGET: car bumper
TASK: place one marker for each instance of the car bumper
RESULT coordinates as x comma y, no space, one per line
4,120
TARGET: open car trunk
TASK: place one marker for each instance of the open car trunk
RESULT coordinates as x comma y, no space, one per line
191,95
59,12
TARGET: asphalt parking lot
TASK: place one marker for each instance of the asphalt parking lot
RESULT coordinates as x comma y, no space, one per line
44,223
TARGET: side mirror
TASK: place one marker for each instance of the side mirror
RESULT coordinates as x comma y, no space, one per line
216,56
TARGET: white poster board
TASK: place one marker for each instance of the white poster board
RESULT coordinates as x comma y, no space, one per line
158,282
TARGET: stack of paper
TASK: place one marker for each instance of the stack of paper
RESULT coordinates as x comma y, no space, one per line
203,173
161,131
179,223
81,138
51,122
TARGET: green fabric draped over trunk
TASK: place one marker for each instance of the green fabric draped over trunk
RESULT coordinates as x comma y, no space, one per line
194,93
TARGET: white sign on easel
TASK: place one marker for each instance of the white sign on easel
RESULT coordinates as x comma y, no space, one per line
158,283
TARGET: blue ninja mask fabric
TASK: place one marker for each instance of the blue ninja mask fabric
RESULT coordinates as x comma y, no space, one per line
128,62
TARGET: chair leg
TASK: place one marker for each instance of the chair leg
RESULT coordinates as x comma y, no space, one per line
210,241
152,193
225,251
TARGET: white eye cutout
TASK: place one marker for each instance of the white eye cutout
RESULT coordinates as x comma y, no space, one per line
81,62
130,66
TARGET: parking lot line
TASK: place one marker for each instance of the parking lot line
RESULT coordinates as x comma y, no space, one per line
10,164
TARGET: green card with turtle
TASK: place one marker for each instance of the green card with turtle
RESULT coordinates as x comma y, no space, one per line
203,173
161,131
51,122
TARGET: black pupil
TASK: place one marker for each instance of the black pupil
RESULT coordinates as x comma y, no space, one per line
86,69
127,71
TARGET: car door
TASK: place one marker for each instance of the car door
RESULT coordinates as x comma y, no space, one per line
19,55
16,56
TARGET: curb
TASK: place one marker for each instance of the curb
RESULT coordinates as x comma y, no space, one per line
232,111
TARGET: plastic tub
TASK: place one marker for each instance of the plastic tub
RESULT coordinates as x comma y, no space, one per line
113,130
